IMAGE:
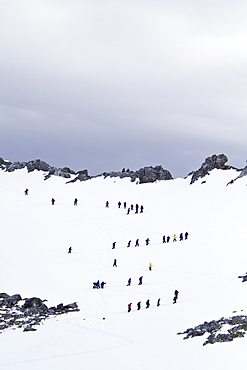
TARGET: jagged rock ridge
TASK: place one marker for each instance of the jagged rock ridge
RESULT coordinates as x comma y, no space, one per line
144,175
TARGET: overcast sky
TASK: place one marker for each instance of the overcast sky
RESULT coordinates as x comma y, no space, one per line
107,84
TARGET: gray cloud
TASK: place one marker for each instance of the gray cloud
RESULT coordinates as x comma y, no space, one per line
109,84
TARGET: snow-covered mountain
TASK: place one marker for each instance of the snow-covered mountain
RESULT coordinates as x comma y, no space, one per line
35,238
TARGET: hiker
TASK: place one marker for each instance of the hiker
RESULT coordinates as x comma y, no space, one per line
164,239
129,307
175,296
137,243
181,237
26,192
129,282
158,302
75,202
119,204
113,245
115,263
175,238
150,266
107,204
141,209
147,241
147,303
96,285
125,205
102,285
128,211
168,239
137,208
70,250
53,201
131,207
140,280
186,235
138,306
129,243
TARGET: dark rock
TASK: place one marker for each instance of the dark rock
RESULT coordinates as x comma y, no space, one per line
82,176
216,161
29,328
4,295
15,166
33,303
151,174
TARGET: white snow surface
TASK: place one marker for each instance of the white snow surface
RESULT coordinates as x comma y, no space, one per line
35,237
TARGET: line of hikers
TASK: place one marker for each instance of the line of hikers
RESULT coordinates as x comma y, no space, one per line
137,244
164,240
139,305
181,237
148,302
131,208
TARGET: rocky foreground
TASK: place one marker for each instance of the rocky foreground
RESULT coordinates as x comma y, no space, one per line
27,313
222,330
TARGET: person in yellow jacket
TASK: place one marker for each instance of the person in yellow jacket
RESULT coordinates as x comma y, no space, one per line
150,266
175,238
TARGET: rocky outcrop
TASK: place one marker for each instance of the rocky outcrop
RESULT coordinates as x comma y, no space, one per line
216,330
38,165
81,176
216,161
242,174
27,313
143,175
151,174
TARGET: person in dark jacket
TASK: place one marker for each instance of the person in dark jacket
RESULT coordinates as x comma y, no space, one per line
75,202
181,237
168,239
53,201
113,245
186,235
140,280
115,263
102,285
128,243
129,307
158,302
70,250
119,204
137,243
147,241
137,208
148,303
26,192
175,296
138,306
164,239
129,282
125,205
107,204
128,211
141,209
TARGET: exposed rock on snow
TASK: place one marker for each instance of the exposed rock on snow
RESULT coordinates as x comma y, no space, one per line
216,161
238,328
143,175
32,312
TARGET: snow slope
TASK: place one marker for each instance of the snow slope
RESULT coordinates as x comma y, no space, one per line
35,237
